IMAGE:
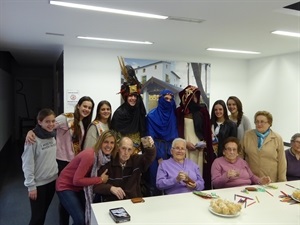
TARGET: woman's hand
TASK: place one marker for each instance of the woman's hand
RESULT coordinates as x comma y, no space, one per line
104,176
32,194
30,137
182,176
233,173
117,191
265,180
191,185
190,146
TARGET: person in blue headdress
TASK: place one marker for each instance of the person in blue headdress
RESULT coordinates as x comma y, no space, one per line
162,127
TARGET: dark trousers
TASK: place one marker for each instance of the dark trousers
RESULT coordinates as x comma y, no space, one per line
39,207
63,213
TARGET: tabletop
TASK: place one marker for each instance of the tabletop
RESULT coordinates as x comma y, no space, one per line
188,208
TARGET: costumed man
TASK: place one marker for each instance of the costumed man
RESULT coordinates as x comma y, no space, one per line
162,127
129,119
194,126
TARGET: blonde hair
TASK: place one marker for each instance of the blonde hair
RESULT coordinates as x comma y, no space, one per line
266,114
101,139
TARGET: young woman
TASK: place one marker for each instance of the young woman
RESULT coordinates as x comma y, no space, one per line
40,167
70,133
99,125
82,172
222,126
235,107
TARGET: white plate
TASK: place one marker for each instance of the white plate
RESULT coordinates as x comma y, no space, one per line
223,215
297,200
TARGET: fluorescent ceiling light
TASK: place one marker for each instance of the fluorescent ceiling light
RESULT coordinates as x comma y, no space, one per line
116,40
286,33
102,9
232,51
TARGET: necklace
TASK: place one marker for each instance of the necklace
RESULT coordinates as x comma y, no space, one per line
123,164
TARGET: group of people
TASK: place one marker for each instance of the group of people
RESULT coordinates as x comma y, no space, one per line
130,154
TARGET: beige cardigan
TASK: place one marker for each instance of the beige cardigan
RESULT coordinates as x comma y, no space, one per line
269,160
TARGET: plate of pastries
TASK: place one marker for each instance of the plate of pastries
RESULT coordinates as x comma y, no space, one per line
224,208
296,195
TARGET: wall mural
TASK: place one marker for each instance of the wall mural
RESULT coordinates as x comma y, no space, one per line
156,75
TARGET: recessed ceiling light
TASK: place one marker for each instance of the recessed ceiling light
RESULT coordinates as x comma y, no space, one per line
115,40
232,51
109,10
286,33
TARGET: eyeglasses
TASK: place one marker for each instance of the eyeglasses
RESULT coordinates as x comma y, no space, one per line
231,149
297,142
261,122
179,149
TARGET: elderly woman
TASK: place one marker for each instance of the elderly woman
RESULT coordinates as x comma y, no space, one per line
231,170
263,149
293,158
179,174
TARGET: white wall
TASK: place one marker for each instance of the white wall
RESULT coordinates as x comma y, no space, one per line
96,73
275,86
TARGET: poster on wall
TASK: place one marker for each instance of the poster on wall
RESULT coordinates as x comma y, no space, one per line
156,75
72,97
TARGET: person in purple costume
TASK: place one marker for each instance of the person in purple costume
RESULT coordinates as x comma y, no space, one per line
178,174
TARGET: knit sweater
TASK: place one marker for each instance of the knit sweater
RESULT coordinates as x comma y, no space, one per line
76,174
293,166
220,168
39,163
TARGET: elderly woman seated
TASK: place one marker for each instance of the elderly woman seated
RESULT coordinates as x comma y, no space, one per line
231,170
178,174
293,158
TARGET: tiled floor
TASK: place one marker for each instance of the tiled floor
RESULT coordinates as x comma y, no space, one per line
14,203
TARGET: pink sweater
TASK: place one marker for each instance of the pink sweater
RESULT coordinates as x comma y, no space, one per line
219,170
76,174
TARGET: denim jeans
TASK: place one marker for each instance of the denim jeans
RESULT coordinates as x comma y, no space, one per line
74,203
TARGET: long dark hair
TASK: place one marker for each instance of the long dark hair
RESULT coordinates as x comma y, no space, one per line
85,121
239,108
213,115
98,116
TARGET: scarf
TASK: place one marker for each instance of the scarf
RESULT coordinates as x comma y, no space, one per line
161,121
99,160
261,137
42,133
129,119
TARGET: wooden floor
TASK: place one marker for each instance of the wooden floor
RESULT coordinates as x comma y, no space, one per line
14,202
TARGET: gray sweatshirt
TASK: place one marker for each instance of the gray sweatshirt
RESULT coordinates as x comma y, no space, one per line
39,163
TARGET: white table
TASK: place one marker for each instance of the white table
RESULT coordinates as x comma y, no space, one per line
183,209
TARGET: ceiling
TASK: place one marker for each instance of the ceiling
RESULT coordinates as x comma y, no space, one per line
231,24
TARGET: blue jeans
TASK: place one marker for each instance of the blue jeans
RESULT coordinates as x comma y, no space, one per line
74,203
